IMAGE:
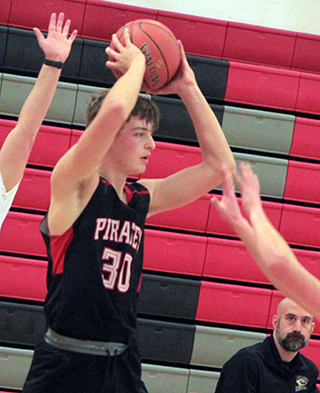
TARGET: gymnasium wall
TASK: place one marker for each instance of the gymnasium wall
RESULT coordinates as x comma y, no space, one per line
298,15
202,297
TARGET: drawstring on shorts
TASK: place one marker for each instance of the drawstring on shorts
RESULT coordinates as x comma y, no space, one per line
108,385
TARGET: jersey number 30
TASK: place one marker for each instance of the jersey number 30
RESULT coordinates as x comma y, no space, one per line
114,271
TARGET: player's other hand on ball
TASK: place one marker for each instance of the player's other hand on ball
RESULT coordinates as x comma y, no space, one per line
184,77
122,57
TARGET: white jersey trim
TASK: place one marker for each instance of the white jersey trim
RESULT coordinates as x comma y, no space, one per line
6,199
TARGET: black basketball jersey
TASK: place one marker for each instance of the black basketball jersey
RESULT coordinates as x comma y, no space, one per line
95,267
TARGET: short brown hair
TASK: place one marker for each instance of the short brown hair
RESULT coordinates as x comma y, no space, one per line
145,109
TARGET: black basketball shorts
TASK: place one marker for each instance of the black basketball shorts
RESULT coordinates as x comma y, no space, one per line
59,371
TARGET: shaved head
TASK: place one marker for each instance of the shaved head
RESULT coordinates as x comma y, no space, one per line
287,304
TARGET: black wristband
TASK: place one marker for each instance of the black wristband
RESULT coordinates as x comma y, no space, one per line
52,63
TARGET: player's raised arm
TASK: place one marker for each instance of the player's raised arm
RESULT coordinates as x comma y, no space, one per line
16,149
191,183
76,175
265,244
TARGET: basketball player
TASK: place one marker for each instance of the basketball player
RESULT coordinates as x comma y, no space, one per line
95,224
16,148
267,247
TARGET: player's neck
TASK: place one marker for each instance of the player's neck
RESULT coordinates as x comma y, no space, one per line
118,183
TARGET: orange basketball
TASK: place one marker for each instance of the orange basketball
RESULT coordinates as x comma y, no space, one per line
160,47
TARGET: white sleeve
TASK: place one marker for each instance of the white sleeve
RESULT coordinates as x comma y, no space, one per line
6,199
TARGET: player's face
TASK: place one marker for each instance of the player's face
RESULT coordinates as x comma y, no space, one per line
293,328
133,145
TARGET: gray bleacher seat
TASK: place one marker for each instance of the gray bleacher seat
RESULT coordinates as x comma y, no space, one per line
14,367
272,173
15,90
160,378
258,130
214,346
202,381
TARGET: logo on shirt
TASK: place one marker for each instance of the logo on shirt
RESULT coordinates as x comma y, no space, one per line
301,383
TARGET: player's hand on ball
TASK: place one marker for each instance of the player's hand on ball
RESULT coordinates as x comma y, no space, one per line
183,78
121,58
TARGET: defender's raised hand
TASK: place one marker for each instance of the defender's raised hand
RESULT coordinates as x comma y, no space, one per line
57,45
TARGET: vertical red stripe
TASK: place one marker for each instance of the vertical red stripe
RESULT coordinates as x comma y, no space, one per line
59,245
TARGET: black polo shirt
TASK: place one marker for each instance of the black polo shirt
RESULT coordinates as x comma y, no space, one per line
260,369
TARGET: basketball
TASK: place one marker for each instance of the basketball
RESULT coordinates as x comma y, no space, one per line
160,47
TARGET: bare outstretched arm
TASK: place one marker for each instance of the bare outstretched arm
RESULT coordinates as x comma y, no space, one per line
186,186
17,146
76,175
266,245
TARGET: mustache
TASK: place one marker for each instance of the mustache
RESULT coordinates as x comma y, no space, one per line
295,335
